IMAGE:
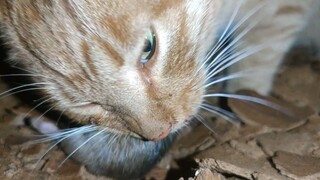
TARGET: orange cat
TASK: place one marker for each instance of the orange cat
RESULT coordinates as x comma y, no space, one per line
137,71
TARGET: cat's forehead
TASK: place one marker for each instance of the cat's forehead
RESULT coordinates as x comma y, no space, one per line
128,21
142,10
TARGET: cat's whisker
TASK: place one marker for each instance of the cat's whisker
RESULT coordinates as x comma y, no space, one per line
61,134
232,44
236,27
207,123
114,137
84,143
183,126
22,86
19,75
242,21
227,54
43,114
241,74
24,90
228,33
227,62
253,100
36,75
52,136
226,78
241,55
236,75
77,131
60,116
38,105
223,38
227,115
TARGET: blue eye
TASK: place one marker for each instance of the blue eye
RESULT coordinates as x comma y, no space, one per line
149,47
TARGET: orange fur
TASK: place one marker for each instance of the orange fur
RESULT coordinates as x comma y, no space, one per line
89,52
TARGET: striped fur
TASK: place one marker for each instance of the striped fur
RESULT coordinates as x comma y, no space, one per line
89,53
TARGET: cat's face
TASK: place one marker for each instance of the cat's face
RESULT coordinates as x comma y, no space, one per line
98,66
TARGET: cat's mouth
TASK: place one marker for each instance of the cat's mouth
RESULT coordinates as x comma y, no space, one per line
164,134
124,129
152,128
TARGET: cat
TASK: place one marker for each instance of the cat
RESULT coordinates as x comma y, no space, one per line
135,73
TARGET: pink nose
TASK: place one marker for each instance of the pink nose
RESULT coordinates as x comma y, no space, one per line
164,134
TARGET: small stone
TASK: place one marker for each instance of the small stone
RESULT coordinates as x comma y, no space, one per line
298,143
249,148
207,174
32,150
69,168
10,173
31,166
12,166
157,173
280,116
296,166
300,84
316,152
200,138
12,140
225,159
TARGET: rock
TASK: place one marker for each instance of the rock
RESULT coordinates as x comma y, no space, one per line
296,166
226,159
275,114
298,143
207,174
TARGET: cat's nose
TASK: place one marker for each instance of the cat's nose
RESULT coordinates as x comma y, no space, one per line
156,130
164,134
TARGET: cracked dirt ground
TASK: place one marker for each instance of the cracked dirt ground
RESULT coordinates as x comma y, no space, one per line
268,145
279,147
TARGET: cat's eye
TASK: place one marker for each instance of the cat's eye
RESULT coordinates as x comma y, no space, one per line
149,47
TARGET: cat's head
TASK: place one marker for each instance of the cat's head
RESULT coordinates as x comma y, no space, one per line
129,65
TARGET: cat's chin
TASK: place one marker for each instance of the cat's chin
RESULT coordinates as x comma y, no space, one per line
116,155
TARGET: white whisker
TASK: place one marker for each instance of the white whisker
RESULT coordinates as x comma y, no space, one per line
229,116
38,105
73,132
232,44
28,71
223,38
234,59
24,90
59,135
84,143
226,78
19,75
241,74
252,99
60,116
51,108
207,123
22,86
232,31
242,21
